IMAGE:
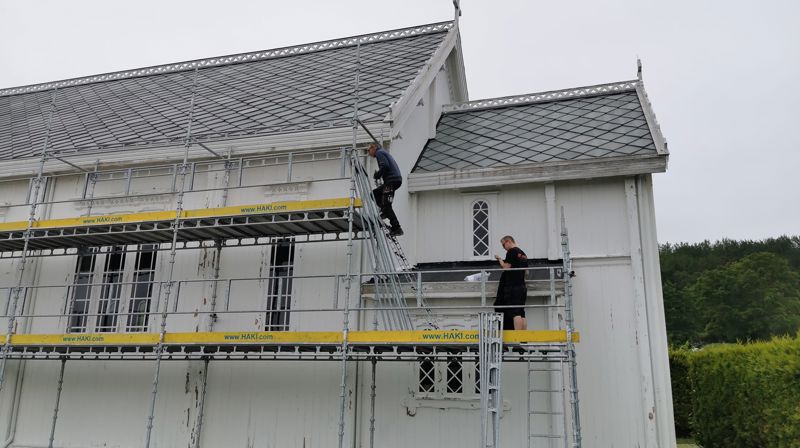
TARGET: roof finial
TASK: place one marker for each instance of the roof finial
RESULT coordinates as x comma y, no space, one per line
639,68
457,7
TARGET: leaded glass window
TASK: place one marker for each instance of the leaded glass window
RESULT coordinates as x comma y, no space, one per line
480,229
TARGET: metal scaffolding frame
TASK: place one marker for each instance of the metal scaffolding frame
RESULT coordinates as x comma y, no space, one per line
394,285
36,184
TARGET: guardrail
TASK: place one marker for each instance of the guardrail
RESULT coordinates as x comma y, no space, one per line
265,303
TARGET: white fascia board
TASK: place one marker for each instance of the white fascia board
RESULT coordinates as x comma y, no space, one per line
297,141
537,173
650,117
457,74
400,110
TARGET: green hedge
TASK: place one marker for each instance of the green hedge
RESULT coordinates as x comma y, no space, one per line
681,390
745,395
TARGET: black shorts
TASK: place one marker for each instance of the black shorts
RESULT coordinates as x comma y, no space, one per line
509,296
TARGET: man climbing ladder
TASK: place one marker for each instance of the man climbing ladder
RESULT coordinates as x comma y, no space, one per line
389,172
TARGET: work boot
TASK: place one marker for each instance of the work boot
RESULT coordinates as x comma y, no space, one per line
396,231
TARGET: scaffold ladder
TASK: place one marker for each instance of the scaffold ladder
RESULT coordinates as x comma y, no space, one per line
553,406
388,285
569,324
490,355
547,405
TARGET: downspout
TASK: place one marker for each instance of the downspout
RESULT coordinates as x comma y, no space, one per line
12,417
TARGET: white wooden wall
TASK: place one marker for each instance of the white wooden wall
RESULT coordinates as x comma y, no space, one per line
295,404
621,324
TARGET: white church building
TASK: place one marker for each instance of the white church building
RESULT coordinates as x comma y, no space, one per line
189,256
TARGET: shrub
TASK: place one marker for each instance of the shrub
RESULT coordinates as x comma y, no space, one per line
681,389
747,395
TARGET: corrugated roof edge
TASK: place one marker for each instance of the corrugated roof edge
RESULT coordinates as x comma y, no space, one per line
542,97
237,58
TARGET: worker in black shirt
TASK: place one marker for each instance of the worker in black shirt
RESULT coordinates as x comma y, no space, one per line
512,289
392,179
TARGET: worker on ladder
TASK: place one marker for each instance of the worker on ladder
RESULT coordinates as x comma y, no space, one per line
389,172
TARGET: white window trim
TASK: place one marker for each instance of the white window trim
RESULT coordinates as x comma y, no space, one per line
468,399
439,392
491,199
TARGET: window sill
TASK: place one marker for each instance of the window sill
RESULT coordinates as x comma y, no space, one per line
439,401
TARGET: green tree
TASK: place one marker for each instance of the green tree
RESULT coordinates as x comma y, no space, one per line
754,298
680,310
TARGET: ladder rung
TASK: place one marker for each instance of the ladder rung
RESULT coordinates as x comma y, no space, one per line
545,413
545,390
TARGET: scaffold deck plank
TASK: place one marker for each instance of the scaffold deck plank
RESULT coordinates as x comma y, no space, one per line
376,337
313,217
527,345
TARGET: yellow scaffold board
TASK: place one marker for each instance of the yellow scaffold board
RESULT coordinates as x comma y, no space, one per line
238,210
274,207
432,337
85,339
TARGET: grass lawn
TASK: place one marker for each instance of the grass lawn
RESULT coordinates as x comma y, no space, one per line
687,443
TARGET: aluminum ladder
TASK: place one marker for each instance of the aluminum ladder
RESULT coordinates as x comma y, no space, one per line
389,297
547,405
490,355
553,405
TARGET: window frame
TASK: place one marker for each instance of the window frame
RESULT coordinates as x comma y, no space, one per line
441,388
469,201
112,295
279,292
107,308
149,285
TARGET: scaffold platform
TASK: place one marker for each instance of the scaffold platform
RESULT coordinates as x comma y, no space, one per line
520,345
276,219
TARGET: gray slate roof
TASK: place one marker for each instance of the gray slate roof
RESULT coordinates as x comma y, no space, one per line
576,128
296,88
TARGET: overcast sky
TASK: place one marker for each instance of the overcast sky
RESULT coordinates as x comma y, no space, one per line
722,75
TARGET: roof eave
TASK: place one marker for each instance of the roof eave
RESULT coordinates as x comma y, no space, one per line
168,152
537,173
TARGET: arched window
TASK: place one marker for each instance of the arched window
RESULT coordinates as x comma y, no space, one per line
480,228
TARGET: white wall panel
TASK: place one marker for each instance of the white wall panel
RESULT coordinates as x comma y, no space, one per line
596,217
608,373
273,404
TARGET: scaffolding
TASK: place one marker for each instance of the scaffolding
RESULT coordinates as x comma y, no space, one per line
384,344
392,291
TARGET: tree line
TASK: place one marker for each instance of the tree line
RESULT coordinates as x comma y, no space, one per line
731,291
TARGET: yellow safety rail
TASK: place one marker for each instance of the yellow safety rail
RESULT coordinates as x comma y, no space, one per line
237,210
432,337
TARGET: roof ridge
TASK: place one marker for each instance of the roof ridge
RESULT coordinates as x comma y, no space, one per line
542,97
380,36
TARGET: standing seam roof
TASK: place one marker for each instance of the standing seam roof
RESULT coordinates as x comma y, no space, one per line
294,88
